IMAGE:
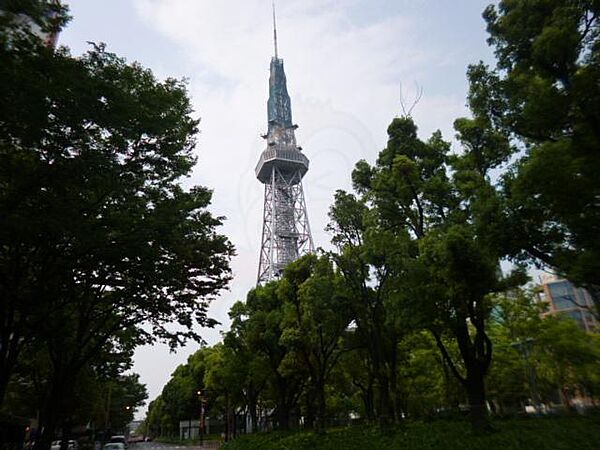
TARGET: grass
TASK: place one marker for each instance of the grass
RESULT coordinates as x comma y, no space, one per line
564,433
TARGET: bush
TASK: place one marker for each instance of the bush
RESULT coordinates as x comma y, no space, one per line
565,433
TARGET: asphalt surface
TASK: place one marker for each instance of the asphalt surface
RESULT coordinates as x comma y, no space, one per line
161,446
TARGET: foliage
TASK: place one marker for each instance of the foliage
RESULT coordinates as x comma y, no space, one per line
316,315
551,433
425,382
434,216
179,399
46,16
538,357
104,399
293,329
567,357
101,248
366,258
544,92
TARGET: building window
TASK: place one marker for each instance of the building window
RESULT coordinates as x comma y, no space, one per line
577,316
563,295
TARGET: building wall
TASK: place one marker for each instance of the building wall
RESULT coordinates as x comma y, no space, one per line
23,20
563,298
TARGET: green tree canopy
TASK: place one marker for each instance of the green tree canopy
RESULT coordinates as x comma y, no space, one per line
101,249
438,212
544,93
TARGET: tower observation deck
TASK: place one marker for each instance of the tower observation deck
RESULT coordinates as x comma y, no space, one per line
281,167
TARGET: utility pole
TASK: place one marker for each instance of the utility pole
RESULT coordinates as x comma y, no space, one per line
202,398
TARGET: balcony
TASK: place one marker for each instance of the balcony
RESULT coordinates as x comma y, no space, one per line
287,159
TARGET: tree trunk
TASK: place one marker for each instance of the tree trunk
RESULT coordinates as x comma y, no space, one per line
234,431
383,360
309,417
253,414
283,417
368,398
10,347
321,407
4,378
49,420
393,380
286,400
385,412
227,418
475,386
476,358
53,409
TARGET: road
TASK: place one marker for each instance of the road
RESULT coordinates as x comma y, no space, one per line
161,446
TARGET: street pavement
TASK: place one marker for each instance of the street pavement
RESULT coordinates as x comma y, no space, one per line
161,446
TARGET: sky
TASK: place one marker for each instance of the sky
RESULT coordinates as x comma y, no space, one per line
350,66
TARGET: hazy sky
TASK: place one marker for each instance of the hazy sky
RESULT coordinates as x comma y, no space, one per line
346,61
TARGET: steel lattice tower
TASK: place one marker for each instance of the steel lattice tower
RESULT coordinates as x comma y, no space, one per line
286,232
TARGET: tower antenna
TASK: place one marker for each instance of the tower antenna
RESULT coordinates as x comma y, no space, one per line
274,30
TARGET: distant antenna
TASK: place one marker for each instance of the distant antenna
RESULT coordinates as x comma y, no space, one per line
274,30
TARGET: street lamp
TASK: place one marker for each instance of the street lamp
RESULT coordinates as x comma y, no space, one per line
201,425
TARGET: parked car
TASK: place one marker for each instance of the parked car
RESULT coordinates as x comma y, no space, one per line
114,446
118,439
71,445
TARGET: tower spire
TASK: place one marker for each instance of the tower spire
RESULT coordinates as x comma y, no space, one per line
274,30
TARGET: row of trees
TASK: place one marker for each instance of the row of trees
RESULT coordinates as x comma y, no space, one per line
419,243
101,249
295,350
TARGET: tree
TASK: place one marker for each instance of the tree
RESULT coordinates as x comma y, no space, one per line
445,228
250,369
316,316
566,357
426,386
544,91
126,394
264,327
365,258
514,325
180,399
157,421
100,246
100,395
536,357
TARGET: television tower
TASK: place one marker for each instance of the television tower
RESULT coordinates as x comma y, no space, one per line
286,233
